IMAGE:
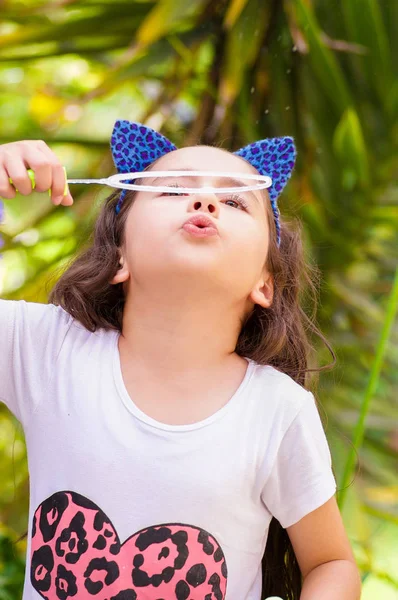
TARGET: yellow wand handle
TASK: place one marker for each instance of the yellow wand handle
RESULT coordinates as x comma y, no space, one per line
32,179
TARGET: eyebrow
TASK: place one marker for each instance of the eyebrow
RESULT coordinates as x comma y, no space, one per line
232,181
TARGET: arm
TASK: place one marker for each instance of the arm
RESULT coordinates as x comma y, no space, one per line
325,556
30,333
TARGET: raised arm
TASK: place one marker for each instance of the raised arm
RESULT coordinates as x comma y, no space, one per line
30,333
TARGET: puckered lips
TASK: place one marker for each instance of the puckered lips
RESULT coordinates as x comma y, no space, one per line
200,226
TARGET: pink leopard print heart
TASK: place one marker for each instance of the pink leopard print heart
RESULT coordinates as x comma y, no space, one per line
76,553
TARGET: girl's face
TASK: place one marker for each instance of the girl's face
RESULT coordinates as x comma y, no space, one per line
158,250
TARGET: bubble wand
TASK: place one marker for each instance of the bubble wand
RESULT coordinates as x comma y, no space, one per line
123,181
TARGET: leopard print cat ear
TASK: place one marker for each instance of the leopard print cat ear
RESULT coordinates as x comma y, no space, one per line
274,157
134,147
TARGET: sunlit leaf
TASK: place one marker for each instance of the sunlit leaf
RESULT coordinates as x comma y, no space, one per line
43,105
351,149
163,17
365,26
243,40
234,11
322,59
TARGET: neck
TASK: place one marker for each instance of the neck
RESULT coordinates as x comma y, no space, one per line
189,333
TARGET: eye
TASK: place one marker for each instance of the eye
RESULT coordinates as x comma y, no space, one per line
173,194
174,185
239,201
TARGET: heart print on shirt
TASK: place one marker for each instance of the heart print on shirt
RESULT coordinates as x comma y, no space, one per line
76,553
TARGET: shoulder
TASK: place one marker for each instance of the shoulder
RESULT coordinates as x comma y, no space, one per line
51,317
278,395
43,322
76,332
279,385
32,314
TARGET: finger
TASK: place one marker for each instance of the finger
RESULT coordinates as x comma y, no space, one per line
46,150
67,200
42,168
7,191
18,173
58,184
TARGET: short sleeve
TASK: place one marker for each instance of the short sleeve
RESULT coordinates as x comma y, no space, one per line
31,336
301,478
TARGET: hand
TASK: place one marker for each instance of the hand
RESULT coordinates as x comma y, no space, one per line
15,160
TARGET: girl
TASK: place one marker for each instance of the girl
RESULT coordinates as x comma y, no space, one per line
174,451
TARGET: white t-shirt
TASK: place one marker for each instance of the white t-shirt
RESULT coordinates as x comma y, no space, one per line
123,507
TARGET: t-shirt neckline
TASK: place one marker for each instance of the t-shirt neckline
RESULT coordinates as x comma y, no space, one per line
139,414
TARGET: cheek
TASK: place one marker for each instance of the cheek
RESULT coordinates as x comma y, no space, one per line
146,234
145,224
251,239
245,257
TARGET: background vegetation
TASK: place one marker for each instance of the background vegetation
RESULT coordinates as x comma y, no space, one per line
229,72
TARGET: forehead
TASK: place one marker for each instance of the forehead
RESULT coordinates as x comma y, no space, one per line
206,158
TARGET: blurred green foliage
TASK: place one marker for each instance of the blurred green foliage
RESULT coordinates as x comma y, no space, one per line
228,72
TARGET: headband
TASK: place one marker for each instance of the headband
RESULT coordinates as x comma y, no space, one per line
135,146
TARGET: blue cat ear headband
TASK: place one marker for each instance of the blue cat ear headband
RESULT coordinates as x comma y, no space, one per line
135,146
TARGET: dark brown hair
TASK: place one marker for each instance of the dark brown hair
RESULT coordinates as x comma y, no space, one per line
278,336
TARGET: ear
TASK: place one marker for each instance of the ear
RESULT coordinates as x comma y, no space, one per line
135,146
122,274
263,292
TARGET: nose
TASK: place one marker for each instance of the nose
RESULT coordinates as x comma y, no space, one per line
207,203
